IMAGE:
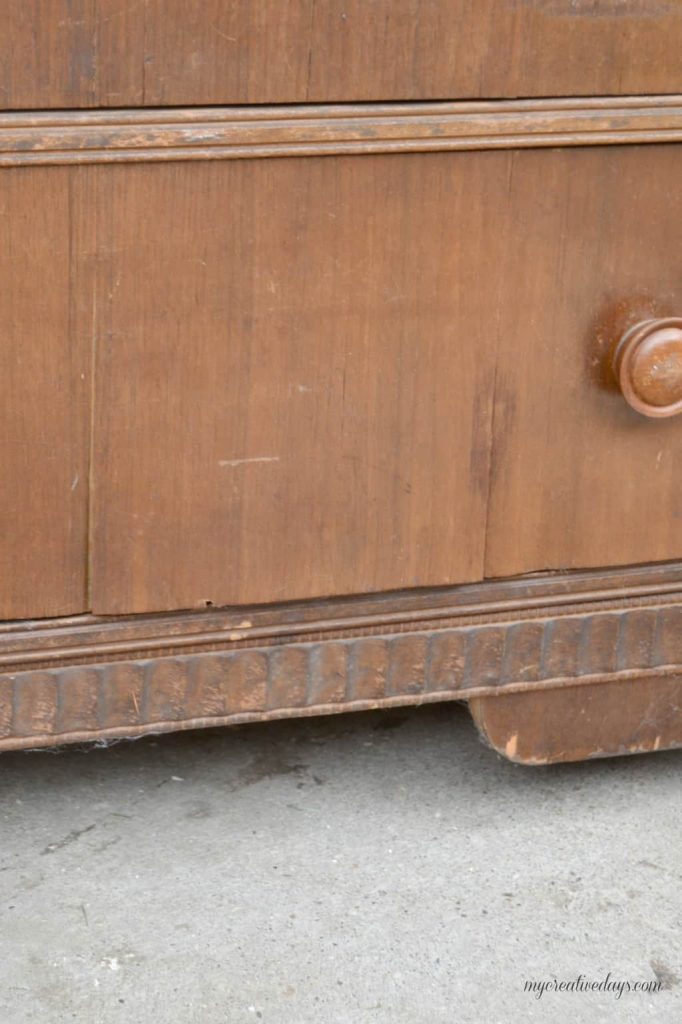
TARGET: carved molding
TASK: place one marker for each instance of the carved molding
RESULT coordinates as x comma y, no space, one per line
518,640
219,133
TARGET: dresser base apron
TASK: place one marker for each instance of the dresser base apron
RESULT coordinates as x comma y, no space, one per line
554,667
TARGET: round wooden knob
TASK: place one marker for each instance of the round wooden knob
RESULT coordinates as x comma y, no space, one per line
648,366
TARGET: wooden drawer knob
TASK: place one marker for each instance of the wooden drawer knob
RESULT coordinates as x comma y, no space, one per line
648,366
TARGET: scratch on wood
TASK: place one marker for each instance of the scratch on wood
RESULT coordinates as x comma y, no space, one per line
243,462
601,8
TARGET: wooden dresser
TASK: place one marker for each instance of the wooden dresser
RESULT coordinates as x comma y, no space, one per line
342,366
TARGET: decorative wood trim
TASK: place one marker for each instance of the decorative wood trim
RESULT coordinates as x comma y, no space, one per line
219,133
88,639
530,635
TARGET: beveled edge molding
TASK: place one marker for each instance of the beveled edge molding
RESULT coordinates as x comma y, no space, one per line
220,133
85,639
621,639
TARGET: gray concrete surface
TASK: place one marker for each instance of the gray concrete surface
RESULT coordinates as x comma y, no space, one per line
369,869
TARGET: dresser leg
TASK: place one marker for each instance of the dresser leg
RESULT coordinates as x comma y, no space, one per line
572,723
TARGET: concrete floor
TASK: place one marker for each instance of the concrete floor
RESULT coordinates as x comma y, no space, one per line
368,869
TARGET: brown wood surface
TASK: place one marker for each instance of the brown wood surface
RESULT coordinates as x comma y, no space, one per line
579,478
294,378
573,723
88,53
45,386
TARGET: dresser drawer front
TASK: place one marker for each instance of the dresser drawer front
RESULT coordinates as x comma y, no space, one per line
343,375
321,376
75,53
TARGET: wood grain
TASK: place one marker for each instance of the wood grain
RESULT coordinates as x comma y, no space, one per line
227,133
294,378
70,53
90,53
45,337
578,478
309,409
281,342
574,723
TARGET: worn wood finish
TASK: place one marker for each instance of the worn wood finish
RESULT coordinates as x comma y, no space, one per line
70,53
578,477
263,429
225,133
45,338
281,408
87,639
573,723
71,681
90,53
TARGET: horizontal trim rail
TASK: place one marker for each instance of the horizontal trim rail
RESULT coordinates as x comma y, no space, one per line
220,133
89,639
